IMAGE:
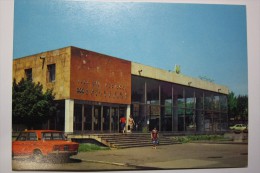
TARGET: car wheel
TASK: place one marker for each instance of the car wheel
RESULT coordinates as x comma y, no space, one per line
237,131
65,159
62,159
37,156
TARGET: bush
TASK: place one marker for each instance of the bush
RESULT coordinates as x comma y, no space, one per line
186,139
183,139
90,147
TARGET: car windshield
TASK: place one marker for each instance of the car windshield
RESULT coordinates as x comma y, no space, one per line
53,136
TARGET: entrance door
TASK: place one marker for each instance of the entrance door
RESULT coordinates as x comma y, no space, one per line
154,122
77,117
114,119
97,118
106,118
88,117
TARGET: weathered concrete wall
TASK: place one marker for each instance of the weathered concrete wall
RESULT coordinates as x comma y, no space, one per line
60,57
151,72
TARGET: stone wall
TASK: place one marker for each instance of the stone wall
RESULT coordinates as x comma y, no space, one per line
39,62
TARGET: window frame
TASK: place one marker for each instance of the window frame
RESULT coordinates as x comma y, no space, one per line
51,72
28,73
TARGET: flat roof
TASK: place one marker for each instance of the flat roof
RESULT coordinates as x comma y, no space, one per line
173,77
160,74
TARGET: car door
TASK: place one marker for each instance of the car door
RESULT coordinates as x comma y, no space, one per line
25,143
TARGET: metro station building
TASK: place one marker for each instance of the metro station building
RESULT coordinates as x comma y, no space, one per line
94,90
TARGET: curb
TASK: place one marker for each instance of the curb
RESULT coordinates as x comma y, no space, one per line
104,162
122,164
230,142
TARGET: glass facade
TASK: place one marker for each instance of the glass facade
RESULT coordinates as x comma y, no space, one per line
167,106
171,107
97,117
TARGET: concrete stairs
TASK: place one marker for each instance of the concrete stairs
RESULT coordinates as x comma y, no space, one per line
130,140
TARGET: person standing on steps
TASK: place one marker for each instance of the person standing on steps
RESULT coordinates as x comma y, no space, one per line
155,137
122,122
131,123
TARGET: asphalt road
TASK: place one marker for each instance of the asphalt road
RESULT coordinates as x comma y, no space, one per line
178,156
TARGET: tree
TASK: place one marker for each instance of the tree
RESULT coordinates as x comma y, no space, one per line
232,105
30,105
242,107
237,107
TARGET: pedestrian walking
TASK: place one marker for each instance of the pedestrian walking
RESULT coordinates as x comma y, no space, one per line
155,137
122,122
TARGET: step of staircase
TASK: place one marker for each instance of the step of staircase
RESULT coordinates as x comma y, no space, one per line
131,140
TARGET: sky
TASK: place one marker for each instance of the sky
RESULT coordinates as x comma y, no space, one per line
204,39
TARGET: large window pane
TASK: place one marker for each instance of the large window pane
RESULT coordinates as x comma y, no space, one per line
224,122
208,100
88,117
153,112
207,122
190,120
152,91
199,110
223,102
178,96
166,93
216,105
140,117
212,121
77,117
166,118
181,119
189,95
199,99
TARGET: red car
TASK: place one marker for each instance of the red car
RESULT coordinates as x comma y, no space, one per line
43,143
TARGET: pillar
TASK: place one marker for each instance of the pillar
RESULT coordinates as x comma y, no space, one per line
199,114
69,112
128,112
175,114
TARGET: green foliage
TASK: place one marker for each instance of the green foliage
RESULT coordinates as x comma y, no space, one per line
90,147
232,105
30,106
205,137
183,139
242,106
237,106
145,130
186,139
177,69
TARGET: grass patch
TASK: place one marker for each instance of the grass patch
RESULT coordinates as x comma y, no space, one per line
91,147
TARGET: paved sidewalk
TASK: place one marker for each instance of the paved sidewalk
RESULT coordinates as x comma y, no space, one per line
176,156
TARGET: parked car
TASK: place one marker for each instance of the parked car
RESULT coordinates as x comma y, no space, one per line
39,144
238,128
245,130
